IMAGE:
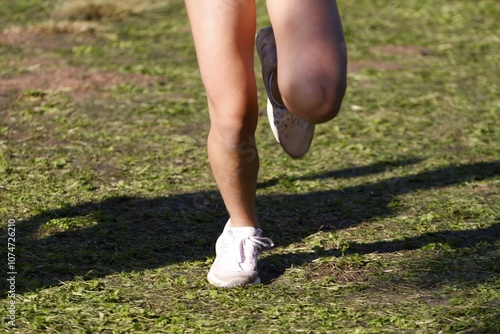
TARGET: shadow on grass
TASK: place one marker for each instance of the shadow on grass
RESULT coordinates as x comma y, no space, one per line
131,233
275,265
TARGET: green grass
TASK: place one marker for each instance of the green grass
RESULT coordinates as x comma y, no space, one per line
389,224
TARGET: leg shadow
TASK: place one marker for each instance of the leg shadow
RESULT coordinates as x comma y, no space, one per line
123,234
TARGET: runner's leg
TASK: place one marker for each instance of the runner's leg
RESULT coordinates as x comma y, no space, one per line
224,32
312,57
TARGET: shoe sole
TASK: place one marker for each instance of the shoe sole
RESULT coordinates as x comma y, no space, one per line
296,145
231,284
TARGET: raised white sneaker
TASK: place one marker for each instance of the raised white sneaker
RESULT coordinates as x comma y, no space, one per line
236,251
292,132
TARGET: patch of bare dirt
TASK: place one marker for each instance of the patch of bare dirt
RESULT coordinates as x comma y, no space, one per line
12,37
47,37
48,73
402,50
70,78
358,66
388,50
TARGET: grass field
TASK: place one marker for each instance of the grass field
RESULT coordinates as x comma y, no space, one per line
390,223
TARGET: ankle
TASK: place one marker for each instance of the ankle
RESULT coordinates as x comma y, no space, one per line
236,223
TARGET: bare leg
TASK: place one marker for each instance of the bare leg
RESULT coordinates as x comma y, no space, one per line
312,57
223,33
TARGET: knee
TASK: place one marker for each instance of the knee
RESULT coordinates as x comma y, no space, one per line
233,125
316,97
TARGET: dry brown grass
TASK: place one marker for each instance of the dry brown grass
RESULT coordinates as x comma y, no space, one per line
95,10
84,16
20,34
65,27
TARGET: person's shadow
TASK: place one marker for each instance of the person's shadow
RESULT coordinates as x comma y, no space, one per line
134,233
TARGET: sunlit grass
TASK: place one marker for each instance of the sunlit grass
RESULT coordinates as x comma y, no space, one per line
389,224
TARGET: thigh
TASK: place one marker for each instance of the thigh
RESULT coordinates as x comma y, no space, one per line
309,39
224,32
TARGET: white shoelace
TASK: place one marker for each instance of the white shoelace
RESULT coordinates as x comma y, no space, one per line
249,250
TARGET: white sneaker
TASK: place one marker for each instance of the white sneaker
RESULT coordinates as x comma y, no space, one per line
292,132
236,250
